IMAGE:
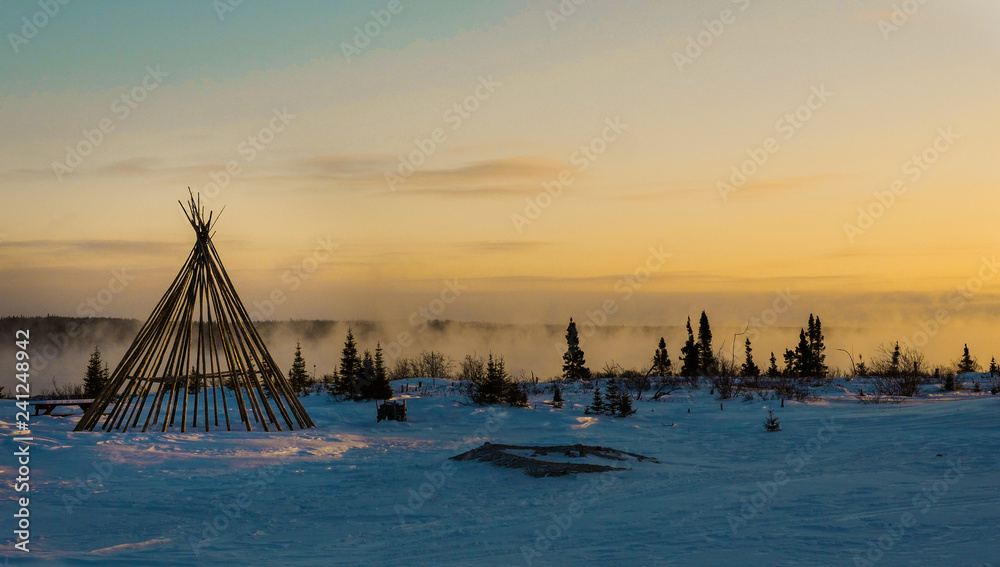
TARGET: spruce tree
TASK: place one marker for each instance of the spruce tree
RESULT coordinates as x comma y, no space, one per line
366,379
298,378
382,388
707,362
618,402
772,370
331,381
195,384
894,361
574,365
804,363
690,356
861,369
994,369
596,407
611,397
661,360
515,394
96,377
511,393
495,386
771,424
817,360
557,399
804,353
949,383
749,368
496,381
350,367
967,363
791,364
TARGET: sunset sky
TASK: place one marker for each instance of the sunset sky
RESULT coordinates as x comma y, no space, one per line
491,102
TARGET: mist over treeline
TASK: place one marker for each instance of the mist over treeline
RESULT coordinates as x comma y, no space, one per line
61,346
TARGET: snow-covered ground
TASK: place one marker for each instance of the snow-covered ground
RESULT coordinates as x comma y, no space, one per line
916,483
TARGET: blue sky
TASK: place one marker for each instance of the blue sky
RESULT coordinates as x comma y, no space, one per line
93,45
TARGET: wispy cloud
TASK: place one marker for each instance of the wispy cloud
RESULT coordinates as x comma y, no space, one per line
102,247
500,246
344,166
26,174
768,187
135,166
492,178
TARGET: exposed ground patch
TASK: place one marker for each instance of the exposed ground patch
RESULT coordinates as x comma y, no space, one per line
507,456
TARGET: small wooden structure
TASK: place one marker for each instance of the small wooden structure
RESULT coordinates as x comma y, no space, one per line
49,405
391,410
199,343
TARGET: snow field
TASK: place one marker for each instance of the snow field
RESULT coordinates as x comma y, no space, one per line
843,483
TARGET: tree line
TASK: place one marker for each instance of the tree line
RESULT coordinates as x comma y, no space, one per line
698,359
894,370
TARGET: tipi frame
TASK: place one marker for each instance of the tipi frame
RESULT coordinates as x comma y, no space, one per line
198,343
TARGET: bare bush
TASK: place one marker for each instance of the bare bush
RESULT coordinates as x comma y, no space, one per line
634,380
898,361
611,369
472,369
787,388
896,374
431,364
887,389
635,373
726,386
752,382
905,386
528,383
665,386
636,383
725,367
401,369
914,363
66,391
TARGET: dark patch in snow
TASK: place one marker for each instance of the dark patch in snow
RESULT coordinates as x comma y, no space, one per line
502,456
